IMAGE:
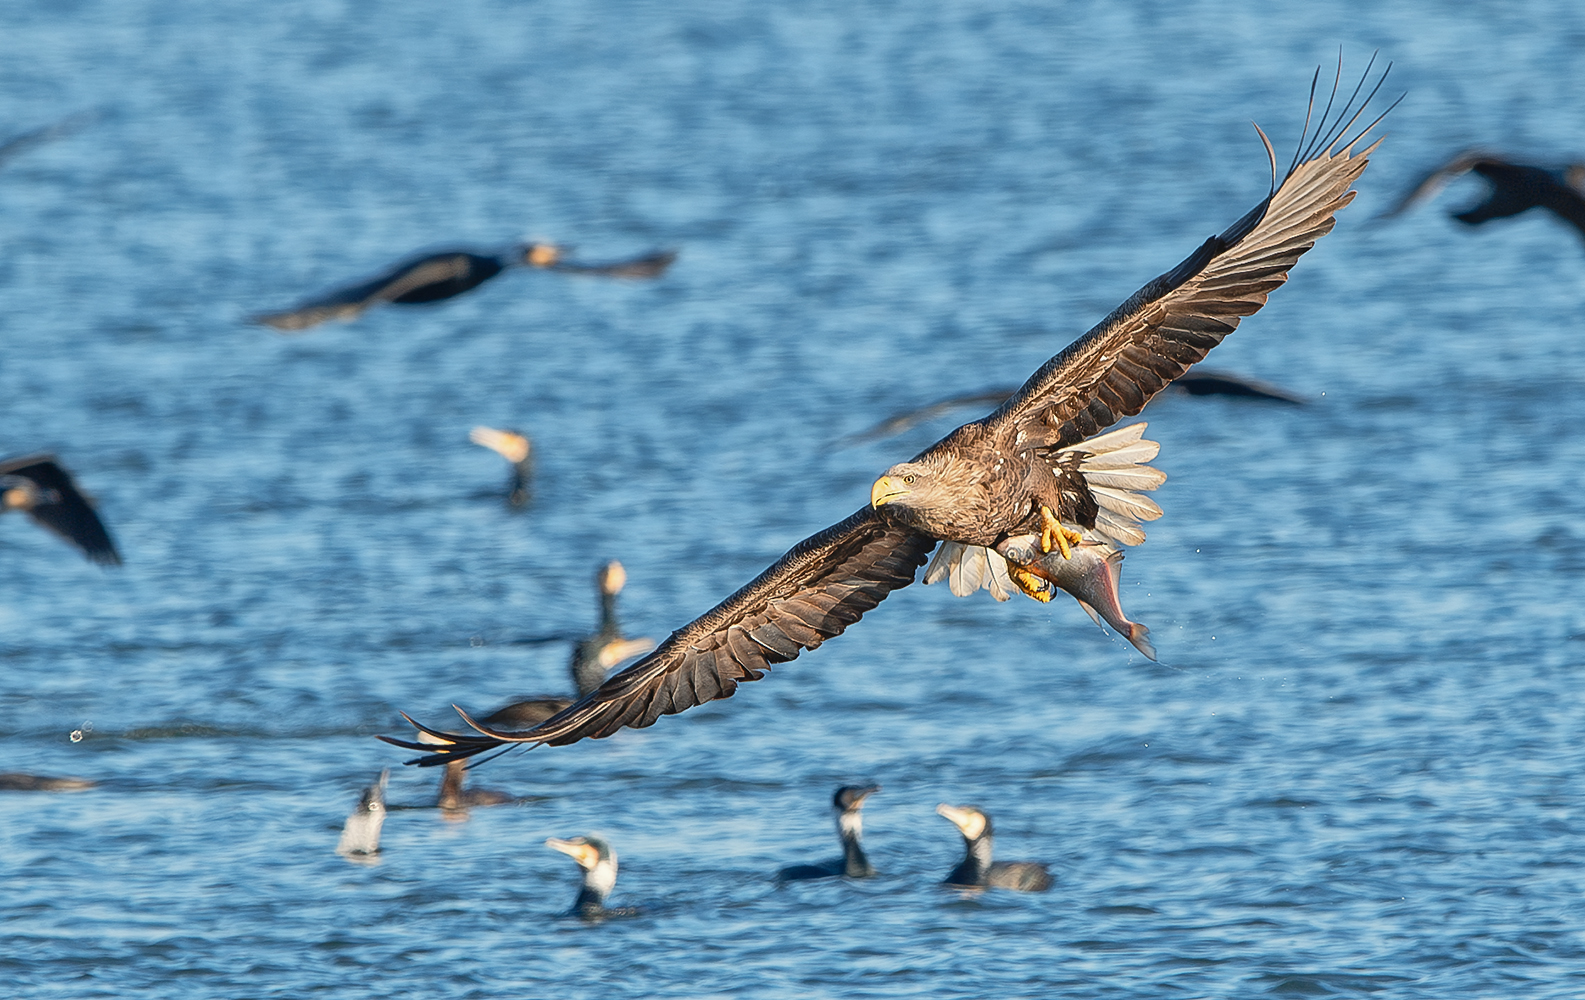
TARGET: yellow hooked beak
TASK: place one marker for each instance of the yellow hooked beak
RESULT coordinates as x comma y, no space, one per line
584,854
968,821
885,490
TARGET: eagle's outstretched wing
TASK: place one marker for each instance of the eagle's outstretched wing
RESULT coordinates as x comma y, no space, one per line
61,507
1172,322
821,586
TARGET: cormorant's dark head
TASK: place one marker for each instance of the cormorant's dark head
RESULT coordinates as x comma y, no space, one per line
373,798
360,836
542,254
850,798
969,820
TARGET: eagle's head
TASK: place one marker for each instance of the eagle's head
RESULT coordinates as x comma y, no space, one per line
926,494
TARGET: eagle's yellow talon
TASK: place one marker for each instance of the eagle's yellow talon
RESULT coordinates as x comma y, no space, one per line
1056,535
1031,584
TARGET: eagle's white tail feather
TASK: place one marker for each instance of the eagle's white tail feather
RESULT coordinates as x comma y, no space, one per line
968,568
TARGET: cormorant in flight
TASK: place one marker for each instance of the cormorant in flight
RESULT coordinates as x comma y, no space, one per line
977,870
38,485
443,275
18,781
1033,484
1191,383
848,807
19,144
1511,188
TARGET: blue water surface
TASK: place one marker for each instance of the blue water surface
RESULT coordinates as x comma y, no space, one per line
1353,773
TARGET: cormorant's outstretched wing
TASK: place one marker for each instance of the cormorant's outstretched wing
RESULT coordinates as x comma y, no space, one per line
1428,186
61,508
651,265
820,587
900,422
1204,382
18,144
350,302
1171,323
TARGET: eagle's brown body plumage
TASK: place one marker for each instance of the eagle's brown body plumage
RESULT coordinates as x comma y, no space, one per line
980,490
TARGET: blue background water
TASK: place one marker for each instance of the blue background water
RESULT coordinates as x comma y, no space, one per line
1354,772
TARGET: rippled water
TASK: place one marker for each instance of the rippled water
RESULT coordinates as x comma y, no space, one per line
1354,772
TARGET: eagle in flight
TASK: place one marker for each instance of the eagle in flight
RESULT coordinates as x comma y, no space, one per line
1033,497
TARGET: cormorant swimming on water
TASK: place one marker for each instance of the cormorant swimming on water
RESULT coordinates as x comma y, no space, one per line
515,447
977,870
592,658
38,485
361,834
1512,188
456,800
598,862
443,275
847,804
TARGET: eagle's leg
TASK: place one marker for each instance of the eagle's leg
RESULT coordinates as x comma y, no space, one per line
1056,535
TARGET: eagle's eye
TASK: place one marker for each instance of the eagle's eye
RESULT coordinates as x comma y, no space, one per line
909,480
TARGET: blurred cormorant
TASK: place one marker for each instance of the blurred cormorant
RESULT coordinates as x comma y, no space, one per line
1511,188
38,485
592,658
25,141
443,275
1205,382
361,834
598,862
17,781
977,870
847,805
515,447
